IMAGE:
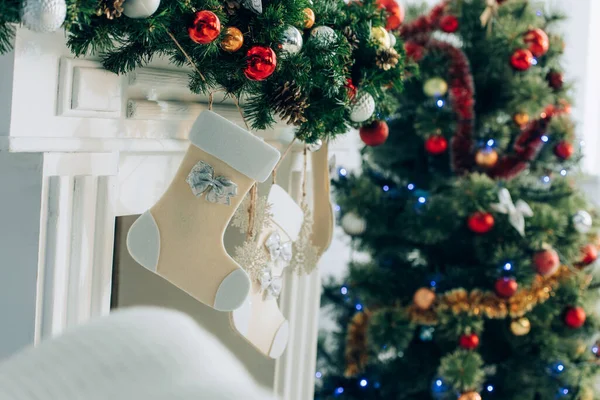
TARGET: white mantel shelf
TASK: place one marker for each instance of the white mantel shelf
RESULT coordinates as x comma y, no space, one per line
74,155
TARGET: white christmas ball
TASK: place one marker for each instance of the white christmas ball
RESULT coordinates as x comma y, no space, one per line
292,41
140,8
324,35
362,108
353,225
315,146
582,221
44,15
392,39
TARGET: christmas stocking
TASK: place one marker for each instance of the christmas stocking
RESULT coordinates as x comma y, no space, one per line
181,237
259,320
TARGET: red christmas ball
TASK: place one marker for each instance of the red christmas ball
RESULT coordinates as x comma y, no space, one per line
555,80
564,150
575,317
469,341
590,254
206,27
414,51
521,60
375,133
506,287
262,62
546,262
481,222
436,144
351,89
449,23
395,13
537,42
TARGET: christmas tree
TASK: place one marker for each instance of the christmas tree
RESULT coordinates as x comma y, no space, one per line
480,281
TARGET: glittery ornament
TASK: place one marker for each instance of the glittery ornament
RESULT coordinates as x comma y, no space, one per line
305,254
506,287
575,317
470,396
233,40
309,18
206,27
521,119
262,215
582,221
353,225
435,87
252,257
449,23
564,150
424,298
521,60
44,15
362,108
537,42
315,146
469,341
261,63
546,262
380,35
374,134
323,36
291,41
486,158
436,145
520,326
395,13
481,222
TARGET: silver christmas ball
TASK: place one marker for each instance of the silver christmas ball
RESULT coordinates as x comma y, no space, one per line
44,15
324,35
140,8
291,43
362,108
582,221
353,225
315,146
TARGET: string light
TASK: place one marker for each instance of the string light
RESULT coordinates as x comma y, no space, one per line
491,143
344,290
432,284
358,306
545,138
339,391
386,188
363,383
489,388
337,208
318,375
410,186
534,61
422,200
342,171
440,103
563,172
507,267
546,179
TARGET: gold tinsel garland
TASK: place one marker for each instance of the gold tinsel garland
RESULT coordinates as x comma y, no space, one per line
357,352
458,301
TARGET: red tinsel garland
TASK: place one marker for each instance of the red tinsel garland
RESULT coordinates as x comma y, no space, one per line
418,41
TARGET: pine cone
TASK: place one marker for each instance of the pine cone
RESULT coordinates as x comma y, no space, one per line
386,59
290,103
231,6
351,37
111,8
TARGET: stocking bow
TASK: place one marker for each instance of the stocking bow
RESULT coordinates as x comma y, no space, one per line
218,189
516,211
279,252
270,285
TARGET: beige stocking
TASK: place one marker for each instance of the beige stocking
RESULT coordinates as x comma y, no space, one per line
259,320
181,237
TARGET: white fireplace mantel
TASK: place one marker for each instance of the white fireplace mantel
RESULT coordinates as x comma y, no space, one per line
79,147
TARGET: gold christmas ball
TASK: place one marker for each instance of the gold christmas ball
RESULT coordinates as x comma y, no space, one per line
520,327
435,87
521,119
486,158
470,396
424,298
309,18
233,40
380,35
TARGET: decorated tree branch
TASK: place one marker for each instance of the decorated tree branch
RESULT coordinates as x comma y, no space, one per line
323,67
481,281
